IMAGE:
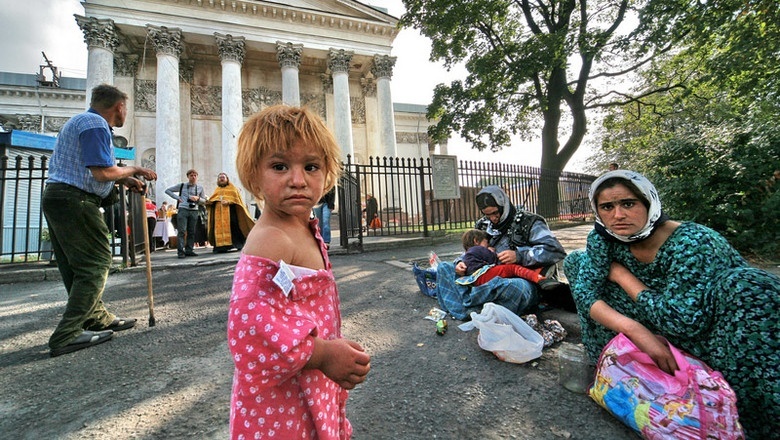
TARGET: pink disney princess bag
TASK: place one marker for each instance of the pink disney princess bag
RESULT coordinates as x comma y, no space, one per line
695,403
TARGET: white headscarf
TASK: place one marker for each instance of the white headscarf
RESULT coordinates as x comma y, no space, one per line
655,217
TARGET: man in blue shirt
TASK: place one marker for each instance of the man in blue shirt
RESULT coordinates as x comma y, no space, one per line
322,211
82,174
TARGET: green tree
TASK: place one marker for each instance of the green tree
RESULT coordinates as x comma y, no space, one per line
726,177
532,66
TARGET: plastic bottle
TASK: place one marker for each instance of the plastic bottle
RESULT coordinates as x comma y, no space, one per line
433,260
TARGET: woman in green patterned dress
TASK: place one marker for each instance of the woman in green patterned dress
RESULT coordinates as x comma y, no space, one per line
645,275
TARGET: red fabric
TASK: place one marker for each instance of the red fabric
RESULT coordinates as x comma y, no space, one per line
151,209
509,271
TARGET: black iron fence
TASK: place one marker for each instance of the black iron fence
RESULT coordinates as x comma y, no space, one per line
414,197
25,236
409,204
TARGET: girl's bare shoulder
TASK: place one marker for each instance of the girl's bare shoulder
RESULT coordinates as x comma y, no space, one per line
270,242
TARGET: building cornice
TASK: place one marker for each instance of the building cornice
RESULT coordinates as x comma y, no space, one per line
43,93
234,15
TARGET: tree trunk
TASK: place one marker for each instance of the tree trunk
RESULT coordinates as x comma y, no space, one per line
548,193
553,158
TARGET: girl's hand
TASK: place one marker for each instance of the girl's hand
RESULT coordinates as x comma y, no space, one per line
343,361
460,268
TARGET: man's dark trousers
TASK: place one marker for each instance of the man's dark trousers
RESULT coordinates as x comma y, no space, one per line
186,220
79,238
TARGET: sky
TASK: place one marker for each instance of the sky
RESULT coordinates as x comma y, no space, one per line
34,26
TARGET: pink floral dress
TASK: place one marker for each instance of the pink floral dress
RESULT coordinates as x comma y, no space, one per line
270,336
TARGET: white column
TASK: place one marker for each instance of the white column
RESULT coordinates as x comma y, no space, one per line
167,43
101,38
231,51
338,62
289,57
383,70
125,66
373,140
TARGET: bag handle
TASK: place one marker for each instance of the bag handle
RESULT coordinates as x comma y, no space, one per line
680,375
181,187
686,375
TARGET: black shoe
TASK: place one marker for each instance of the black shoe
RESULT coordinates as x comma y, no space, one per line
117,325
86,339
550,281
191,254
550,271
549,284
182,255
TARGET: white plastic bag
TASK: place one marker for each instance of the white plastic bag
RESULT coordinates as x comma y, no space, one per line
505,334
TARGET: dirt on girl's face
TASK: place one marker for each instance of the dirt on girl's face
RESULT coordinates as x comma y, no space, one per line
292,181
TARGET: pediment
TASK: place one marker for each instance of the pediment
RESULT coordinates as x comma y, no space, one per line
318,25
346,8
352,19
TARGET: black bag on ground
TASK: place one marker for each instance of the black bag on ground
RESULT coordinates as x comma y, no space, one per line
559,298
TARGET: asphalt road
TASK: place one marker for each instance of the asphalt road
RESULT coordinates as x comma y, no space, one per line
173,380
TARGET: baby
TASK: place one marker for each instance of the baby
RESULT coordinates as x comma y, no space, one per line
479,256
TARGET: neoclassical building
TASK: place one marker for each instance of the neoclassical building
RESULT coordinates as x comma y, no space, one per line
196,69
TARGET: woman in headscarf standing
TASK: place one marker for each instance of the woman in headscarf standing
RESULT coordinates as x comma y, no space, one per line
644,275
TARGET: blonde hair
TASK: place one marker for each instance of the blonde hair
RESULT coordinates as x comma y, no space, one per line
276,129
473,237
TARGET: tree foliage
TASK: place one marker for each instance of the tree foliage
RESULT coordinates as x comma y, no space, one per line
531,67
727,178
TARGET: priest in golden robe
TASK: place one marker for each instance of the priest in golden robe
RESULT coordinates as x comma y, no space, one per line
229,221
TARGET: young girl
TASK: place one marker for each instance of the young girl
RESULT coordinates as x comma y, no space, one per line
292,367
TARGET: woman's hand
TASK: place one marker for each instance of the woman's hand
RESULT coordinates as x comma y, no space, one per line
643,338
655,347
460,269
343,361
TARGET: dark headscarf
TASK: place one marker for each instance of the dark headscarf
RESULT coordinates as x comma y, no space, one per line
494,196
655,216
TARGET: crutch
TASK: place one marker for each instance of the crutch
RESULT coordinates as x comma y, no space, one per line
150,292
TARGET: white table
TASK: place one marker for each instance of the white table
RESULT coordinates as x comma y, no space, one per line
164,229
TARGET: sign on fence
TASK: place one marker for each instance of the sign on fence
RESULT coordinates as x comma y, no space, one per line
444,177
